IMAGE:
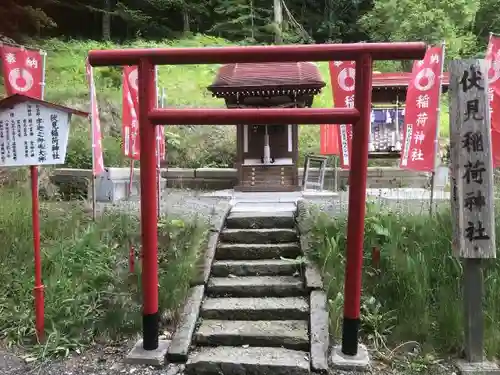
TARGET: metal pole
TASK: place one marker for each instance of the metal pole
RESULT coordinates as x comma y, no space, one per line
436,139
357,203
158,158
336,173
93,100
398,135
94,214
164,102
149,219
131,253
160,140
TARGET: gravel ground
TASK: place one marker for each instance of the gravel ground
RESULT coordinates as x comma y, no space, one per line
179,203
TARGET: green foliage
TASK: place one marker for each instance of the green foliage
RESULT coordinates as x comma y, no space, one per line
417,281
240,19
250,20
89,293
18,17
424,20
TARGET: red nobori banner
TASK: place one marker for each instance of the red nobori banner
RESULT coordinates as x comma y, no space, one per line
130,121
160,136
329,134
329,139
342,77
22,71
422,103
97,158
493,60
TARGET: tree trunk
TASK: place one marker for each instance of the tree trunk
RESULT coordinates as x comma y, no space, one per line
278,21
407,65
185,19
106,21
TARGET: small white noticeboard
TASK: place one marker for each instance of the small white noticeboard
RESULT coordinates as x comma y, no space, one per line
32,133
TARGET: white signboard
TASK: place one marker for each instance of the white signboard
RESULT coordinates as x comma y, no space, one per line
33,134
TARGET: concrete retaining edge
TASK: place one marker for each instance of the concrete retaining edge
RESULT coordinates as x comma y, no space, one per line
318,327
225,178
181,341
201,278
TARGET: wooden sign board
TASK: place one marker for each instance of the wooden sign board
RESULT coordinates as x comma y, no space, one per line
472,200
33,134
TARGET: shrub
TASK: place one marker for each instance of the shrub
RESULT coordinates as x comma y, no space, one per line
89,294
415,293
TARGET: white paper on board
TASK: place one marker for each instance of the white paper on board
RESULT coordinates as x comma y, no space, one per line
33,134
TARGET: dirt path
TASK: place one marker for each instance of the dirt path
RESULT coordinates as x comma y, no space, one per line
109,361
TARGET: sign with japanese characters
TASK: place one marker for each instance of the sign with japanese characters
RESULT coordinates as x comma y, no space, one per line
493,61
33,134
342,75
22,70
471,161
96,136
422,104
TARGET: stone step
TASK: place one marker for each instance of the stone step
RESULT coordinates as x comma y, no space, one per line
270,235
247,361
256,286
269,308
260,267
290,334
261,220
233,251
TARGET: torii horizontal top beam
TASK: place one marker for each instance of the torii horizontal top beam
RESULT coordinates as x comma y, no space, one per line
256,116
258,54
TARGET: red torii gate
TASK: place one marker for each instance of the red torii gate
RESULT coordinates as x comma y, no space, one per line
149,117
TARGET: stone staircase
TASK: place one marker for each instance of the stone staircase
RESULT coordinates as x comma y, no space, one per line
259,314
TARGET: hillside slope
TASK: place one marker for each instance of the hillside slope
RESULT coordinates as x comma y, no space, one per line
184,85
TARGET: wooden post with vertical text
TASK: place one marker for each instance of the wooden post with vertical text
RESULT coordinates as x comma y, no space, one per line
472,200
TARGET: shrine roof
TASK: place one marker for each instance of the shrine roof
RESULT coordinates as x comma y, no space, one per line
399,80
10,101
268,76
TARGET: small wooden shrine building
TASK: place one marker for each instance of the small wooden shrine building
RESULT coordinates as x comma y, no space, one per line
267,155
388,110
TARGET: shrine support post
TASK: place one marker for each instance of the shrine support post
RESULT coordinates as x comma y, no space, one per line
357,205
149,232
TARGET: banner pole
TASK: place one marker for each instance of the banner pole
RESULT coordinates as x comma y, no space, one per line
93,99
131,255
39,287
436,139
165,154
159,102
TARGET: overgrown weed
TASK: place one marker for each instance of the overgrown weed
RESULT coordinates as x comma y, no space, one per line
415,292
89,294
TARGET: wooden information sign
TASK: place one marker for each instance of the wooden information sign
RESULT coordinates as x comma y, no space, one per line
33,134
471,161
472,199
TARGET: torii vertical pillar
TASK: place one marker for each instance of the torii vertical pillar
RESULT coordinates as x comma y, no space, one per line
350,354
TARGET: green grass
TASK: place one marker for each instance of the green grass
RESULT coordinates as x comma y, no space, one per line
415,294
185,86
89,293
